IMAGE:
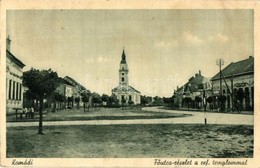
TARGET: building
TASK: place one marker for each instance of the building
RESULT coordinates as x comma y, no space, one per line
77,90
125,92
66,89
237,83
14,87
196,89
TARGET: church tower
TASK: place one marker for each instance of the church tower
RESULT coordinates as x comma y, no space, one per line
123,71
125,93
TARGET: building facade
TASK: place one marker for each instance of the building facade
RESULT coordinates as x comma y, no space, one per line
124,92
196,90
237,84
14,87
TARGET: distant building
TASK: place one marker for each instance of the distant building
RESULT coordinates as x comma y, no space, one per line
77,89
14,73
123,91
66,89
197,86
236,77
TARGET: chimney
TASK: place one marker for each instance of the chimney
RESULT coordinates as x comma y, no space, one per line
199,73
250,56
8,44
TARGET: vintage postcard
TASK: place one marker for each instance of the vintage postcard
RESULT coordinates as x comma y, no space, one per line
129,84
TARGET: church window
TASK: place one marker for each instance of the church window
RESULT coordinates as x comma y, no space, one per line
123,79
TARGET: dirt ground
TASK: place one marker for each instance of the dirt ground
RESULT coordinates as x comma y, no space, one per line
132,141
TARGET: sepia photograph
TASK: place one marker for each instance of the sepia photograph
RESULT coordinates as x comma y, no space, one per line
130,83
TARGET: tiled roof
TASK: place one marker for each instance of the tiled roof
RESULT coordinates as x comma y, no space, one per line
63,81
237,68
194,84
74,83
14,59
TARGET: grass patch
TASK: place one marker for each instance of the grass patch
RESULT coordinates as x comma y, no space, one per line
155,140
99,114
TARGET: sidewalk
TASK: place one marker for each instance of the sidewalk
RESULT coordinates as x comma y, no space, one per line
208,111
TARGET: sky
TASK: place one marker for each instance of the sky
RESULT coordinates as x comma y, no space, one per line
163,48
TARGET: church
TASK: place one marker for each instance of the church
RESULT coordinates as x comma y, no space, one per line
123,91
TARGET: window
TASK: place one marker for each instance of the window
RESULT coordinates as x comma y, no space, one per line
17,91
122,73
130,98
10,90
123,79
13,90
20,92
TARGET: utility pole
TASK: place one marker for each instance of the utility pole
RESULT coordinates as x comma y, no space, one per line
232,92
220,62
204,103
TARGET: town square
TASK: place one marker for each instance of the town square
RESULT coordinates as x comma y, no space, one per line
130,83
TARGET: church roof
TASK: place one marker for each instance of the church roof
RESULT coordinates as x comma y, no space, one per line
121,88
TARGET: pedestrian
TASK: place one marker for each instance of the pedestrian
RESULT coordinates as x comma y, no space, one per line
32,112
25,112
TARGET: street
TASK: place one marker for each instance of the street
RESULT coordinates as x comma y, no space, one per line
196,118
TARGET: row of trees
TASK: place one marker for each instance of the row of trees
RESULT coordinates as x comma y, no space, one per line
156,101
219,100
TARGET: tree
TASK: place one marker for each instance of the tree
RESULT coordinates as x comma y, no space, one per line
85,98
131,103
198,100
113,100
187,100
144,100
105,98
96,99
70,102
168,100
41,83
158,101
222,99
77,100
57,97
123,101
210,100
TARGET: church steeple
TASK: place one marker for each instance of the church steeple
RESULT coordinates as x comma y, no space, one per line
123,70
123,60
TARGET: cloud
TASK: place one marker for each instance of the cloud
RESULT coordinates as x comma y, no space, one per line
98,59
102,59
167,44
218,38
191,39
